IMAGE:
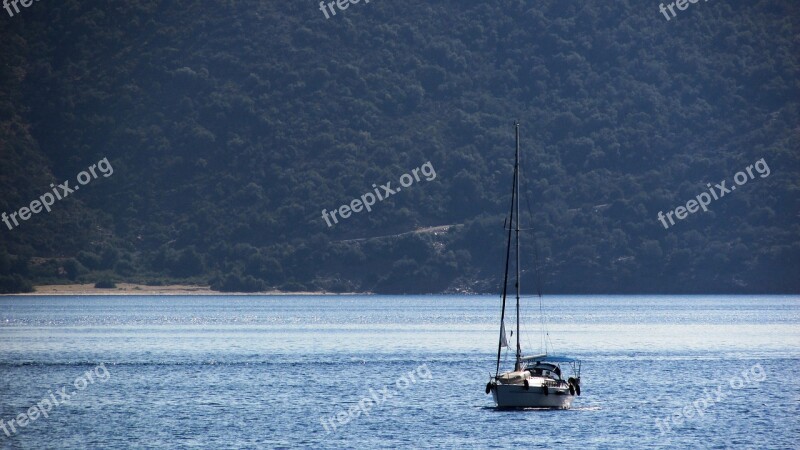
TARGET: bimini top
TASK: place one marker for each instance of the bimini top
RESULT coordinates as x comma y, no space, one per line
550,358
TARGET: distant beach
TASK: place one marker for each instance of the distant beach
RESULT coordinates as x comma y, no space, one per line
142,289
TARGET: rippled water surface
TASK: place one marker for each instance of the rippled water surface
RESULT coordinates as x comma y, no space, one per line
274,372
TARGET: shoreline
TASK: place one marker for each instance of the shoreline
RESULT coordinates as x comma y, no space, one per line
123,289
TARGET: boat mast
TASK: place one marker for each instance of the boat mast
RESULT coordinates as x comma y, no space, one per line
505,275
516,232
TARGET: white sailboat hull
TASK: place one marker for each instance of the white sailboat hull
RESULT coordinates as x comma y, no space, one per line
516,396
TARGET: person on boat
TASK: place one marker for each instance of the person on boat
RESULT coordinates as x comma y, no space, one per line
557,371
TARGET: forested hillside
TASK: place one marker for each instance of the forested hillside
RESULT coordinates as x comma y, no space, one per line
231,125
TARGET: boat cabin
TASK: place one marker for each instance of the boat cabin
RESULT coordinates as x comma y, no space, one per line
540,369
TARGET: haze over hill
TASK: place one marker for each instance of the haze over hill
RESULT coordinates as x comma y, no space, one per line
231,126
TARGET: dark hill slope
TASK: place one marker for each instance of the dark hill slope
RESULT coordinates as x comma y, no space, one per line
232,124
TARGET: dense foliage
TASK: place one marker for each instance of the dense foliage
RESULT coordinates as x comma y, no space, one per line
231,125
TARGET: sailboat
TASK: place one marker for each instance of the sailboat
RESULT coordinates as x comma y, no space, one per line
536,381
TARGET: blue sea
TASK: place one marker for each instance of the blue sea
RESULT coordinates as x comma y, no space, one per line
220,372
